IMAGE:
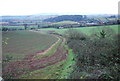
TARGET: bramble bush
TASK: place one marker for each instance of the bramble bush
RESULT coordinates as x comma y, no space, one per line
96,56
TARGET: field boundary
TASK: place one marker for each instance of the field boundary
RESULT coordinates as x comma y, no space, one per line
44,52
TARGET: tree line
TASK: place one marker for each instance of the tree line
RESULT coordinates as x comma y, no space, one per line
66,18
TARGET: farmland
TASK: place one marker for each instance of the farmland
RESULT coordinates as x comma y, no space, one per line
27,59
61,47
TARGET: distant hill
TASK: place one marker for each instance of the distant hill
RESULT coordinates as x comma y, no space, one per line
101,15
25,18
66,18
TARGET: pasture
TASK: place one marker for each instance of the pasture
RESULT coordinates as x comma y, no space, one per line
64,23
85,30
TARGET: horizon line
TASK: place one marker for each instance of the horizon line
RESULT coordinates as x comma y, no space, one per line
62,14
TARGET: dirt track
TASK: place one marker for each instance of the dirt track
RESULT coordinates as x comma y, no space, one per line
44,52
28,64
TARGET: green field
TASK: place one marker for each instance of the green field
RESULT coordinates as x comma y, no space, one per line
64,23
16,27
20,43
86,30
20,27
27,23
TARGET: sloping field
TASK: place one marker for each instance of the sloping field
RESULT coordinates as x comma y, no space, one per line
17,44
30,63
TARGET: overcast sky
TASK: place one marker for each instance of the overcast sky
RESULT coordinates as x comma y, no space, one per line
29,7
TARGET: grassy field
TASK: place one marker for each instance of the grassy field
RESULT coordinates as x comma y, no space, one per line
86,30
27,23
20,43
64,23
20,27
